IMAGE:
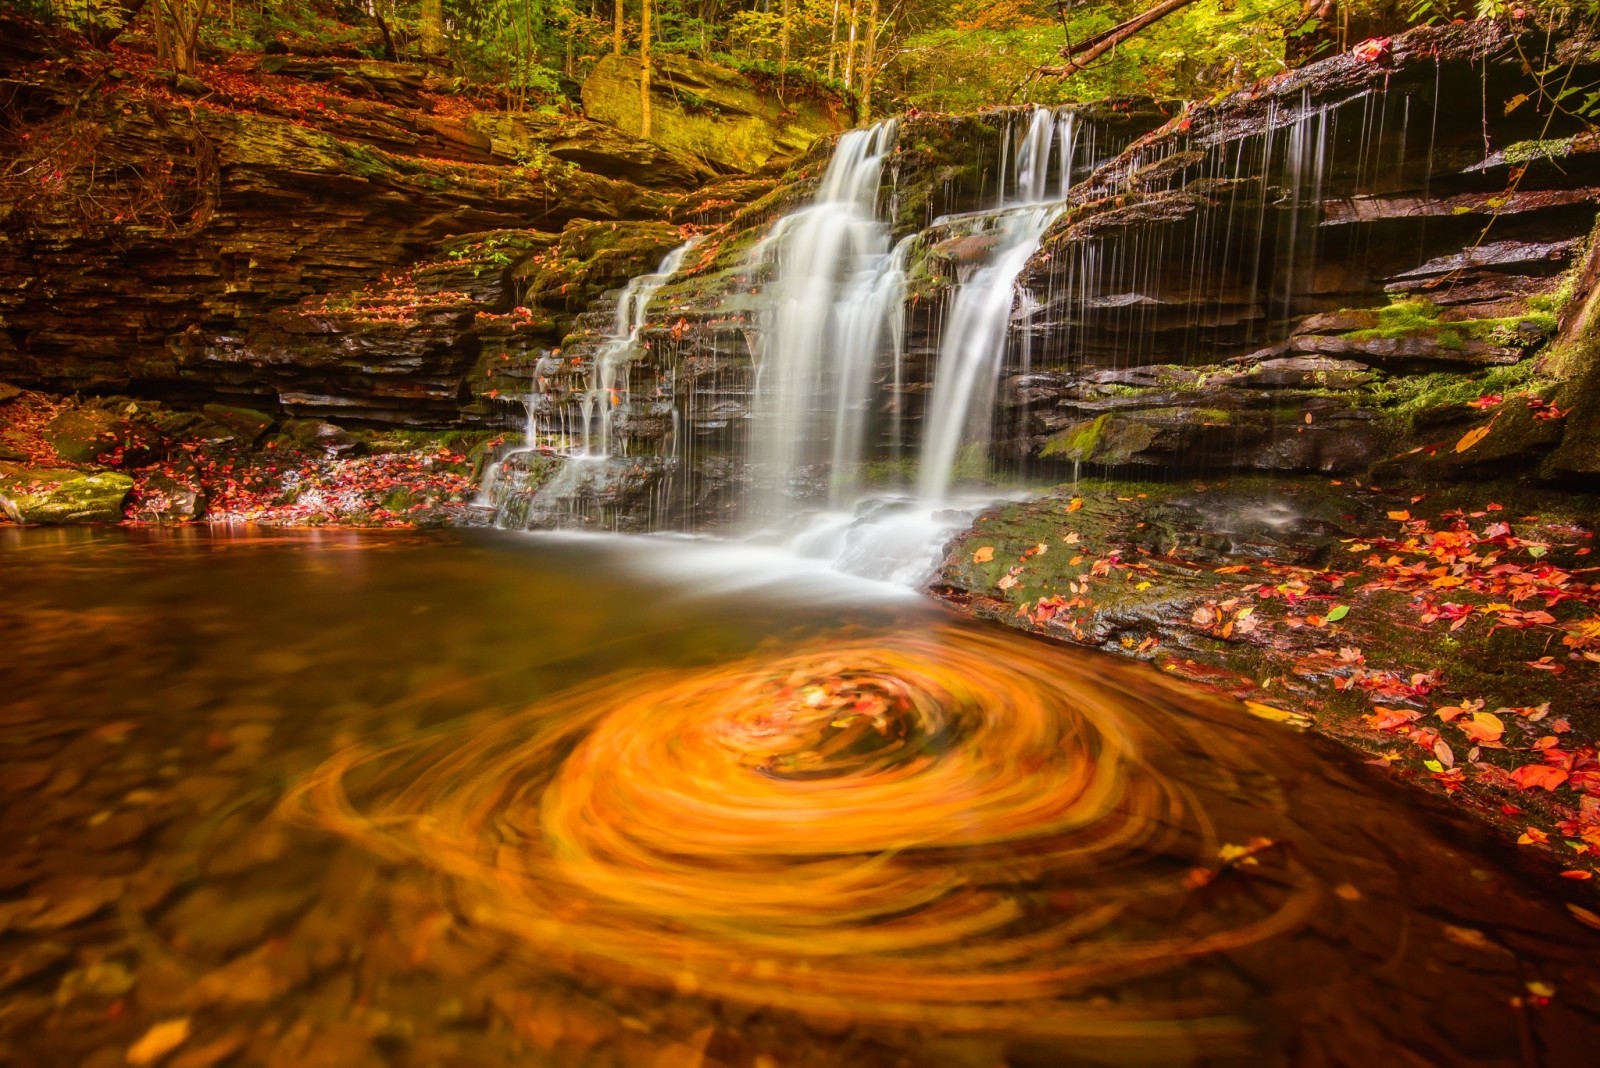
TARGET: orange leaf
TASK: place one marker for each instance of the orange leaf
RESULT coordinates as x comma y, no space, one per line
1402,516
1074,504
1533,836
1473,436
1533,776
983,555
1483,727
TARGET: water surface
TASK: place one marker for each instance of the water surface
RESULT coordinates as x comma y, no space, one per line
491,799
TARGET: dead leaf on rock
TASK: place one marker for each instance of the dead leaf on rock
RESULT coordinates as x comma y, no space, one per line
983,555
1473,436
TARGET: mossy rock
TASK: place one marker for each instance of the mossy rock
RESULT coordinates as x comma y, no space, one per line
95,498
710,111
8,392
80,435
314,435
246,424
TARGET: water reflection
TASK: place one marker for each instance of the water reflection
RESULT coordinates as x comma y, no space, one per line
487,799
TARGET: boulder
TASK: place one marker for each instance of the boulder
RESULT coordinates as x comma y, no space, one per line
95,498
169,500
713,112
80,435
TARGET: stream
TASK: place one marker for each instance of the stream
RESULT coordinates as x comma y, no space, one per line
490,798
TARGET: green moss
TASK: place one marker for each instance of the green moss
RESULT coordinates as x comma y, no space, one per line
95,498
1529,151
1078,441
1406,395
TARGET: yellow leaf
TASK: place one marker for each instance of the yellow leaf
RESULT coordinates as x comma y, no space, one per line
1277,715
1483,727
983,555
1402,516
1074,504
1473,436
159,1041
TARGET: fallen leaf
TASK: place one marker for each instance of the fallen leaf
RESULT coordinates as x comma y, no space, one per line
1470,937
983,555
1337,612
1483,727
1533,776
1402,515
1074,504
1533,836
1584,916
159,1041
1473,436
1577,873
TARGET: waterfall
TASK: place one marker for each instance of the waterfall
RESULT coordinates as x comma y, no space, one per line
972,350
835,291
973,346
608,381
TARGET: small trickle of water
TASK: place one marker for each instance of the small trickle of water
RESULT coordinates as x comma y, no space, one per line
608,381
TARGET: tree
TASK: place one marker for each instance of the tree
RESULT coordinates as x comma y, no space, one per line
644,68
430,25
616,32
177,26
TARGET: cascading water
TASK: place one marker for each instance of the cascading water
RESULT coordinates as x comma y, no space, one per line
608,381
594,443
972,349
974,342
836,291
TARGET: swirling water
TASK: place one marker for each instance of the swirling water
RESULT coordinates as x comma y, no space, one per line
489,799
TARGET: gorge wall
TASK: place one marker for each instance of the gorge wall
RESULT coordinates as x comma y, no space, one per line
1342,270
314,237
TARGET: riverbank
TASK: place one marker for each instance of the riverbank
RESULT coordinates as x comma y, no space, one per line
1451,634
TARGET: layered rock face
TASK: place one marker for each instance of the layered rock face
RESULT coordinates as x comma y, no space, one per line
1342,270
1313,275
316,237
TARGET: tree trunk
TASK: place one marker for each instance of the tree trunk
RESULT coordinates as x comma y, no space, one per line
850,45
785,28
869,64
616,28
177,25
644,68
833,42
430,16
1080,55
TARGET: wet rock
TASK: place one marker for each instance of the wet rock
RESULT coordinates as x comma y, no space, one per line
166,499
82,435
313,434
96,498
246,424
1309,372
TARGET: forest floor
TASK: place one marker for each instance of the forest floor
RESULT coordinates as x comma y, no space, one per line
1452,635
229,464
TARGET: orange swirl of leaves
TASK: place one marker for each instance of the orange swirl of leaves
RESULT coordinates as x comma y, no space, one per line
948,829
